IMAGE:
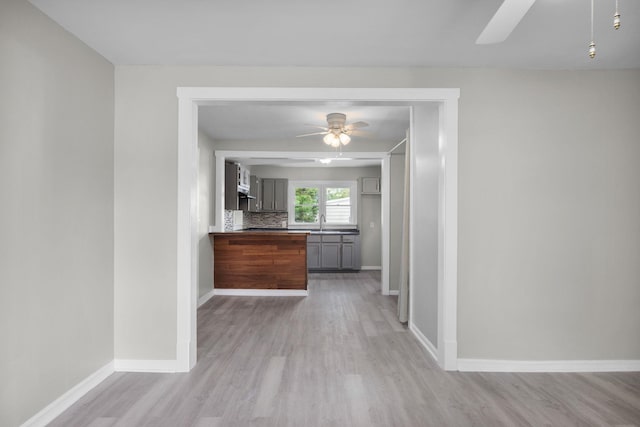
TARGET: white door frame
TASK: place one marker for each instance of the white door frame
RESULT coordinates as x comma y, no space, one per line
189,98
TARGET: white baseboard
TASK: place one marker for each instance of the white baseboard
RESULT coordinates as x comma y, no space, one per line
204,298
61,404
394,292
428,345
262,292
370,267
136,365
488,365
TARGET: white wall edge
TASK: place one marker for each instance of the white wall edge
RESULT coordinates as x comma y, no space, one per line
428,345
394,292
204,298
371,267
137,365
489,365
385,215
448,235
262,292
61,404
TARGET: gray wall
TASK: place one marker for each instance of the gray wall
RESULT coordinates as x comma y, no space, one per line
56,219
369,207
396,200
206,199
549,220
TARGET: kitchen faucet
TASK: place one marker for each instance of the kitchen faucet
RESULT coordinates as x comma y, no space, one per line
323,219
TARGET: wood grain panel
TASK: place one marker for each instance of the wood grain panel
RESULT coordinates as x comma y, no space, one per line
260,260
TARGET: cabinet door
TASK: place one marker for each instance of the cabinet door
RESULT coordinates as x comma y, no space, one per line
331,255
313,256
268,194
231,187
370,185
348,256
280,194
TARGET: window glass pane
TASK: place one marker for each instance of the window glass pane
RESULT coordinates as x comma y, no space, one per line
306,206
338,214
338,195
338,205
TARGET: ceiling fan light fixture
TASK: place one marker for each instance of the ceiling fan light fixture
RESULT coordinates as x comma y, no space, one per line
344,138
330,139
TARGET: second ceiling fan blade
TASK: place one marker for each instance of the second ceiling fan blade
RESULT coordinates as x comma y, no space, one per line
309,134
508,16
356,125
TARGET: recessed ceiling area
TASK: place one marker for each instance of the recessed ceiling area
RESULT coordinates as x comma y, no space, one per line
375,33
275,126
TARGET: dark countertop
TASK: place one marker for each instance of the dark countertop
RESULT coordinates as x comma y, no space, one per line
290,231
274,232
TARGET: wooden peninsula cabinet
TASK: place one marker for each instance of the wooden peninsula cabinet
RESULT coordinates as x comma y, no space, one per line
260,260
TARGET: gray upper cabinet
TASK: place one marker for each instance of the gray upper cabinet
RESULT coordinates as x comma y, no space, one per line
231,200
371,185
274,194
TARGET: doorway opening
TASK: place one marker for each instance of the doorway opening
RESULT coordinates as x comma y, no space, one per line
433,130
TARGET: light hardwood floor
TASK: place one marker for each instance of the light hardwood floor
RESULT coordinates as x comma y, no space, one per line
339,358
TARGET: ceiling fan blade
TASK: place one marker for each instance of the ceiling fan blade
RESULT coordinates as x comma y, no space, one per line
509,14
316,126
356,125
358,132
309,134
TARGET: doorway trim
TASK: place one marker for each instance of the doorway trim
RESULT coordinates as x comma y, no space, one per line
190,98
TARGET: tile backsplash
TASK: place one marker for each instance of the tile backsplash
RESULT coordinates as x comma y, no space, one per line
257,219
228,220
265,219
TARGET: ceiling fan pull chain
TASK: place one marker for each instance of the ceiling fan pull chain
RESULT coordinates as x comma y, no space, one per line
592,45
616,18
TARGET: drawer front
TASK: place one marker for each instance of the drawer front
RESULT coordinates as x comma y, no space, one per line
332,238
313,239
348,238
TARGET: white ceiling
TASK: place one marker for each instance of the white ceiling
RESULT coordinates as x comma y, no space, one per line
263,123
554,34
272,122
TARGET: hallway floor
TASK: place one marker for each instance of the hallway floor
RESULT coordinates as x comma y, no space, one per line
340,358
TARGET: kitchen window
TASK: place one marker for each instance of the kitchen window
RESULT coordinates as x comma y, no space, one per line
334,201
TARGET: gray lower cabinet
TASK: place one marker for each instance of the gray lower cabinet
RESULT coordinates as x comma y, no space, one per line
330,256
351,252
333,252
313,254
348,256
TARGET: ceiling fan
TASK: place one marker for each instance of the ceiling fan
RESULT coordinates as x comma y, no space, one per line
508,16
337,131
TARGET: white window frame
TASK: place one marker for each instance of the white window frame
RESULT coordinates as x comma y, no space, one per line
322,186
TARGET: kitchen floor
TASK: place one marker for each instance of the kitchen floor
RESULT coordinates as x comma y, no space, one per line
340,358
